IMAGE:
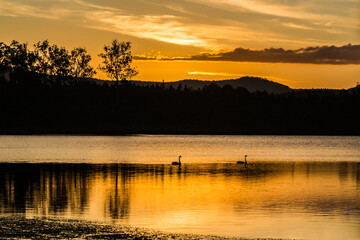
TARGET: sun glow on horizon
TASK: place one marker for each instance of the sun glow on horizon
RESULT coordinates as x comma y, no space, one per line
290,74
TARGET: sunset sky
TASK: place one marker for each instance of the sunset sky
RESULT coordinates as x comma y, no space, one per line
204,39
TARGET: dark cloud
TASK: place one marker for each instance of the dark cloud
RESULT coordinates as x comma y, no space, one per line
347,54
141,57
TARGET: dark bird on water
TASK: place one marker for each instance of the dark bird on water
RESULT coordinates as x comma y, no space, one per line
242,162
177,163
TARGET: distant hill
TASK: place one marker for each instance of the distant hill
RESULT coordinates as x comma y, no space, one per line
252,84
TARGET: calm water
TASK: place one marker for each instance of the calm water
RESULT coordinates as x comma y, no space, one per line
301,187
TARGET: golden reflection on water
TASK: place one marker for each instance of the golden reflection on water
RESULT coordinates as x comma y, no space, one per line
267,199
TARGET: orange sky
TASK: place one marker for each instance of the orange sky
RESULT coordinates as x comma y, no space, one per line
181,28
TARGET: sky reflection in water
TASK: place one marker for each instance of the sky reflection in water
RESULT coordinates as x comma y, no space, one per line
307,200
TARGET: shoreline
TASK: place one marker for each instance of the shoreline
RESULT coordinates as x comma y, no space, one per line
13,227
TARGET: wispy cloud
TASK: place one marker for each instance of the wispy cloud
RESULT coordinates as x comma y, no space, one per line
307,11
348,54
178,8
176,30
297,26
166,28
263,7
223,24
15,9
96,6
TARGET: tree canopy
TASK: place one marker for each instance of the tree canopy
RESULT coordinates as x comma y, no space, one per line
117,59
79,62
51,62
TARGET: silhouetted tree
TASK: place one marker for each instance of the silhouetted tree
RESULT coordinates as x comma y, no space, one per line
80,64
4,60
52,60
61,61
16,56
43,63
17,60
116,61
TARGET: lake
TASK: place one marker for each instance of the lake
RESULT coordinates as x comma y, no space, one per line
303,187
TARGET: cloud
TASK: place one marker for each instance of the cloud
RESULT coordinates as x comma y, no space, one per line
263,7
307,11
95,6
178,8
14,9
297,26
347,54
165,28
206,24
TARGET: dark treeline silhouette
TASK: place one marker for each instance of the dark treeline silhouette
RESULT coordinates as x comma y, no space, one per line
47,97
88,108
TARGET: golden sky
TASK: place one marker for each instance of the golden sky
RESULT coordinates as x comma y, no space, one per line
160,29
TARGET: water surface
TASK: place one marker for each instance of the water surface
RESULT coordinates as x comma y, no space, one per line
294,187
165,148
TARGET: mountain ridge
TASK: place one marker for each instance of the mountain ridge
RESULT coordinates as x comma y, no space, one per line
252,84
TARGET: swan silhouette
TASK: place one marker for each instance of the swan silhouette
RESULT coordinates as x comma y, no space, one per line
242,162
177,163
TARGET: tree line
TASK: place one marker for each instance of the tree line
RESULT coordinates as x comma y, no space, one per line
56,65
90,108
